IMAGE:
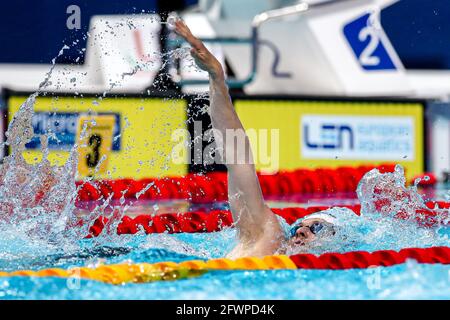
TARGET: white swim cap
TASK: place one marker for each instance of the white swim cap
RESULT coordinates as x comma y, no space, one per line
328,217
335,216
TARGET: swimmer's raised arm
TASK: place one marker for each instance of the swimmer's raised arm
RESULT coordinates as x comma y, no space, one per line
253,218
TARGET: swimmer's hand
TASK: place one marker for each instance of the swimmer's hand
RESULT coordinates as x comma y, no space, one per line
204,59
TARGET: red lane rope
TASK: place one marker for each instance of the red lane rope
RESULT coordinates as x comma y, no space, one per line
217,220
364,259
213,186
197,221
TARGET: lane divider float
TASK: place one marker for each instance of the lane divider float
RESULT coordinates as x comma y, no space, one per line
217,220
118,274
213,186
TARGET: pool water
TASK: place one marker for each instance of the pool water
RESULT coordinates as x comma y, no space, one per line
407,281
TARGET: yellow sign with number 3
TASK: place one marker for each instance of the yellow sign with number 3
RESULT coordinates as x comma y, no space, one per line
94,138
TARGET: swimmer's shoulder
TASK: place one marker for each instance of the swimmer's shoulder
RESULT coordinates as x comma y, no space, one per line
267,242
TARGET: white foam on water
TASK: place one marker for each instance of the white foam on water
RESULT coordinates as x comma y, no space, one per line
388,220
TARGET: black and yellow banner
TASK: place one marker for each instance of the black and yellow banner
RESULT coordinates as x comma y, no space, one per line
285,134
136,138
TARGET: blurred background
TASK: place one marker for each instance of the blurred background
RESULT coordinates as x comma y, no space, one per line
346,82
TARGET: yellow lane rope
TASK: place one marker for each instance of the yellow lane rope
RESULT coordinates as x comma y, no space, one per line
161,271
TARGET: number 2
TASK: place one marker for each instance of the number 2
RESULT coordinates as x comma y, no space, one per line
367,58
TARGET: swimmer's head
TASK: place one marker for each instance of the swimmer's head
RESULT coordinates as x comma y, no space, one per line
319,228
313,227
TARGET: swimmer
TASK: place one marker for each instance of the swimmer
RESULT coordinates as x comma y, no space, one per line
260,231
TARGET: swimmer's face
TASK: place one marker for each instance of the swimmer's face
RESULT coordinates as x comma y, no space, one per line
311,230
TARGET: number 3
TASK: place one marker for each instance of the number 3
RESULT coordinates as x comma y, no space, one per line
92,159
366,58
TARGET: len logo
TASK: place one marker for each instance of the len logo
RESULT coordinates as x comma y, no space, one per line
332,137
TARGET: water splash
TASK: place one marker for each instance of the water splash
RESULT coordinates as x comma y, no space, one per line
38,215
392,218
387,194
38,200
